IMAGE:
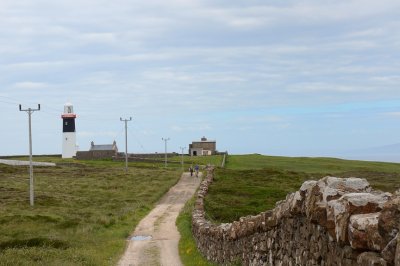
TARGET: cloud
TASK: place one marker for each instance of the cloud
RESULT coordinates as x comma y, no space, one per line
113,134
30,85
260,119
208,59
392,114
191,128
325,88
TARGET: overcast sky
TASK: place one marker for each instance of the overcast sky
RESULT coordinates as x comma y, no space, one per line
273,77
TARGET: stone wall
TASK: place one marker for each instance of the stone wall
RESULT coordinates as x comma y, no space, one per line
91,155
332,221
147,155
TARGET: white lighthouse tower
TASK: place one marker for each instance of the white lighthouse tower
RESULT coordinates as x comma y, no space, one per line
69,134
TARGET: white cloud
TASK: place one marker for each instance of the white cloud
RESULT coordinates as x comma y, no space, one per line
392,114
261,119
204,58
30,85
113,134
395,79
191,128
326,88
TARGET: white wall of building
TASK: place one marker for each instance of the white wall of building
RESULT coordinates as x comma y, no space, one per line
69,147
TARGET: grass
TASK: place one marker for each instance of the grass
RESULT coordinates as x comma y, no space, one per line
85,210
188,252
200,160
83,213
253,183
237,193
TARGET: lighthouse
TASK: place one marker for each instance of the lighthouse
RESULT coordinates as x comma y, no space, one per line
69,135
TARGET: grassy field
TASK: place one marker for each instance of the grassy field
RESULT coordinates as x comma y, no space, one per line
85,210
200,160
253,183
83,213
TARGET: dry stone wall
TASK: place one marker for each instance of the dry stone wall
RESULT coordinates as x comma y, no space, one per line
333,221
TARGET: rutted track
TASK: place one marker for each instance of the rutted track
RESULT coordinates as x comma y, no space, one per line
159,224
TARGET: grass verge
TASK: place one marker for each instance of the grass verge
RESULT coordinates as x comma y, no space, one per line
188,252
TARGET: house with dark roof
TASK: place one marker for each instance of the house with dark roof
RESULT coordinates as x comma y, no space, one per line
99,151
203,147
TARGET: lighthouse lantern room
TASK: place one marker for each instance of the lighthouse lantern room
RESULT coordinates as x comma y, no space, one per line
69,134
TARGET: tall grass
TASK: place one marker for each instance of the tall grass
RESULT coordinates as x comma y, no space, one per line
84,210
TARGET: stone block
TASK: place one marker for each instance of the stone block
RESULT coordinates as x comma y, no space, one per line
339,211
389,220
363,232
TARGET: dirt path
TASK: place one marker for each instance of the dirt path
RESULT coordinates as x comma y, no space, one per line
157,235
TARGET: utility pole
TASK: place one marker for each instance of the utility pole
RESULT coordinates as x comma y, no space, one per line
165,140
126,141
31,190
182,148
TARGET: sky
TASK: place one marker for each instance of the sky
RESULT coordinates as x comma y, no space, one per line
293,78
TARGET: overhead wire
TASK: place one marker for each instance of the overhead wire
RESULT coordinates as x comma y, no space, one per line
131,132
55,112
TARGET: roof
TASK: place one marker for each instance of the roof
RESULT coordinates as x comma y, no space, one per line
203,141
106,147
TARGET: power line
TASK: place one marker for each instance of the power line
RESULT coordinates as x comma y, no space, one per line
11,103
135,137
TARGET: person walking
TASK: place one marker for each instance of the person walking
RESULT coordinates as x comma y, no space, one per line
196,168
191,170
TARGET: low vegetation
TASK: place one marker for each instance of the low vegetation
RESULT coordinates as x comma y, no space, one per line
84,210
188,252
253,183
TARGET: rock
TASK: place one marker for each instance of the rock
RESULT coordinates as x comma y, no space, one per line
327,189
351,184
389,252
327,222
314,207
397,256
389,220
363,232
340,210
370,259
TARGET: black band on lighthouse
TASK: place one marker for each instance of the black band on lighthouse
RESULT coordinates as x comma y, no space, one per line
68,124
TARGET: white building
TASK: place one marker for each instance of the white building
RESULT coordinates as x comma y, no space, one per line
203,147
69,147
